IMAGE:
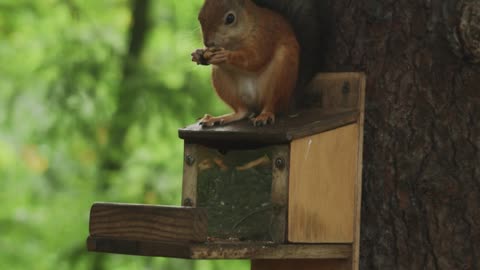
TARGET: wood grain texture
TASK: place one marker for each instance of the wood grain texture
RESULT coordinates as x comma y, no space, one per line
286,128
300,265
190,175
280,192
323,170
355,261
145,222
248,250
254,250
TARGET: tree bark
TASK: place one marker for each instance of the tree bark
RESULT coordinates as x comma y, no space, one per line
421,199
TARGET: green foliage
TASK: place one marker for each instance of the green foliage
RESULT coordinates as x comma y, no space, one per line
65,103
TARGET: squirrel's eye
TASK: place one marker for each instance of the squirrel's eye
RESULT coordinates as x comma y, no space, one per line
230,18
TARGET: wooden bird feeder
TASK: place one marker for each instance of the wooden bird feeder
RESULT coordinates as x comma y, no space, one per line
285,196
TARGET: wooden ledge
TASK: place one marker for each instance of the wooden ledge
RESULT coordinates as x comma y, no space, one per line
285,130
181,232
247,250
148,222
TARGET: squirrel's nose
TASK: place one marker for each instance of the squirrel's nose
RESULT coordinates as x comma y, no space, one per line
209,44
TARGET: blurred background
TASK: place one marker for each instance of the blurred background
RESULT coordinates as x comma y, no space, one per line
91,96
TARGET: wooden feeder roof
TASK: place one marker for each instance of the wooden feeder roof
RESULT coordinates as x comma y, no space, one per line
285,130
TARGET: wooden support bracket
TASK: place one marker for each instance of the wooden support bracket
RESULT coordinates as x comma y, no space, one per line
203,251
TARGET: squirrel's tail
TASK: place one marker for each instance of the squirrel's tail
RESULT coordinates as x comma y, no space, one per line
311,23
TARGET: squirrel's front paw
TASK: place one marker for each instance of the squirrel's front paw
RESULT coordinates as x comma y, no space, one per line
219,57
210,121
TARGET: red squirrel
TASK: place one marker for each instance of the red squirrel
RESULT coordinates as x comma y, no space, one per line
255,56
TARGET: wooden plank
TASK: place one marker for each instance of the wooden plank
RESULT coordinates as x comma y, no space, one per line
280,174
358,181
190,175
248,250
323,170
271,251
300,264
146,222
138,248
286,129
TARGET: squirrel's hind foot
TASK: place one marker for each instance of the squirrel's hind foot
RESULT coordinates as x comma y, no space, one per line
263,119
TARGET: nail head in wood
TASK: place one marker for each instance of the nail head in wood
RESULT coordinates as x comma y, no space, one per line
280,163
188,202
189,160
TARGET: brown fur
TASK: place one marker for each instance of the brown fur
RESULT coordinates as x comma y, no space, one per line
257,68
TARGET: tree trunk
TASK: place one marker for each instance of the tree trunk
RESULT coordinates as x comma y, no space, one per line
113,156
421,199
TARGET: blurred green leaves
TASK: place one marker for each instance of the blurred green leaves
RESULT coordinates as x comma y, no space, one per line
62,83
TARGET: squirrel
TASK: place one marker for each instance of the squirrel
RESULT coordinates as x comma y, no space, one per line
263,52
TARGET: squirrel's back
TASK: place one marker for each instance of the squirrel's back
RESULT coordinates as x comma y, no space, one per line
309,19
